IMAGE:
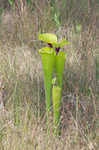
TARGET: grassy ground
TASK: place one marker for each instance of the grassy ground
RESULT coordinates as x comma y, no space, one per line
22,122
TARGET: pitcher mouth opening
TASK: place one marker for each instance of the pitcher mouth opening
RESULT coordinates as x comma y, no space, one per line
57,49
50,45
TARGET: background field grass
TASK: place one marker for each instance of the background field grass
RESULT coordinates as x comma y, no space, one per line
22,120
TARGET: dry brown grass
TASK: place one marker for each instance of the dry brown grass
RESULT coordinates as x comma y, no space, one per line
22,123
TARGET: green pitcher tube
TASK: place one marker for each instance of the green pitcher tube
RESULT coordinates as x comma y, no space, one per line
56,99
59,66
48,60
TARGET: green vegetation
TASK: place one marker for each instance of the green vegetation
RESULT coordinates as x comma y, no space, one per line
56,99
48,60
52,60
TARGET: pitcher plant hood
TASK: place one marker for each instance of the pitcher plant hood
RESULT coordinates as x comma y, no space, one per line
51,40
